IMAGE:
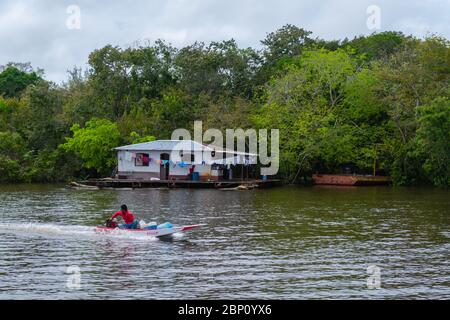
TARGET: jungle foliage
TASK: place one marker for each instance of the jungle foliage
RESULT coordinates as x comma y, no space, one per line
378,102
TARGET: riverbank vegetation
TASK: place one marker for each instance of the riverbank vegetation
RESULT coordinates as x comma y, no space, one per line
374,102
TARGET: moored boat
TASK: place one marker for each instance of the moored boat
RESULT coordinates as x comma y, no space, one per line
350,180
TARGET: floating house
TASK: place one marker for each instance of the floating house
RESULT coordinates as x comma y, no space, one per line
170,160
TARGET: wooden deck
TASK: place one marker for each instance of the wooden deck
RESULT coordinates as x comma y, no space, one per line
139,183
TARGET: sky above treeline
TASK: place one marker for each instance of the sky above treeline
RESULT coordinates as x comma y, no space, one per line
58,35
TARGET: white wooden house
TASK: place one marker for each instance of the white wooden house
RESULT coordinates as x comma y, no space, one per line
179,160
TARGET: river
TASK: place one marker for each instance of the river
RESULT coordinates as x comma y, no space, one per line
281,243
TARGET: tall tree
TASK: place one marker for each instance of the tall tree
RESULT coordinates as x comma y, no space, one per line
14,81
378,45
288,41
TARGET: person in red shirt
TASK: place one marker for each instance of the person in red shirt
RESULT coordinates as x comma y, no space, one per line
130,222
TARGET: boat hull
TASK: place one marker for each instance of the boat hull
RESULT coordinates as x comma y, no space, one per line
163,232
350,180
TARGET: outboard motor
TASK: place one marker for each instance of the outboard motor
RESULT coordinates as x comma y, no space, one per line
111,224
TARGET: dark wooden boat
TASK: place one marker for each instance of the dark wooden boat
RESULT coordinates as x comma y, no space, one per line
350,180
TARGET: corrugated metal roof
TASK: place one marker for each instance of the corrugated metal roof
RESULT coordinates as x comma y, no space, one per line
169,145
166,145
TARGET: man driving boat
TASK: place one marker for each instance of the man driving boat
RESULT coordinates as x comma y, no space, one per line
128,218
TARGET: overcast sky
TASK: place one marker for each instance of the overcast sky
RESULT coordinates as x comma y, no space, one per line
37,31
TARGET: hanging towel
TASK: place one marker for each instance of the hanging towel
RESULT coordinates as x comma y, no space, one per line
145,160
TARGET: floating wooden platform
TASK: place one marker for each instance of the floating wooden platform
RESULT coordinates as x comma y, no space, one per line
134,184
350,180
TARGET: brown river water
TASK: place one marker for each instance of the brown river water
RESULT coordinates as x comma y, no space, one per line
281,243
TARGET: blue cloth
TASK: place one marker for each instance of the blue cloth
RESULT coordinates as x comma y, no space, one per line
165,225
132,225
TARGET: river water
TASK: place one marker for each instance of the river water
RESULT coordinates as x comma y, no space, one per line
282,243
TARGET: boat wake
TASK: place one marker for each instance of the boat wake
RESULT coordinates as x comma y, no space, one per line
47,229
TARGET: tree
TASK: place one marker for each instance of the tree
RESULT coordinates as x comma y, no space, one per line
94,143
378,45
174,110
229,113
303,104
376,100
14,81
220,68
433,138
139,120
110,81
151,69
12,113
288,41
9,170
363,110
118,78
12,145
43,126
280,48
12,151
136,138
409,79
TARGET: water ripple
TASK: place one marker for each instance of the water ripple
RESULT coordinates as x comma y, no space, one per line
285,243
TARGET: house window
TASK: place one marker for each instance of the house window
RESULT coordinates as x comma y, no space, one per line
188,157
142,160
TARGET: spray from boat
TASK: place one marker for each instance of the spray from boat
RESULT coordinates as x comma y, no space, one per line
55,230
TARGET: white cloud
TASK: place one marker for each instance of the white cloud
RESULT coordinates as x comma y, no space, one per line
35,30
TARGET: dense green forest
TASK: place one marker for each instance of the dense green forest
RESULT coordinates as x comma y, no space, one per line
380,99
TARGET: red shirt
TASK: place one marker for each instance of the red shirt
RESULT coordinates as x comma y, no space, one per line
127,217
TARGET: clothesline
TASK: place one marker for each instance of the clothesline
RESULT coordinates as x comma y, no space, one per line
240,159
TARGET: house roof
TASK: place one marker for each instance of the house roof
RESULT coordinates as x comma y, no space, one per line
165,145
168,145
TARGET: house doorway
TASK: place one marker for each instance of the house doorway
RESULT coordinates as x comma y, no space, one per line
164,168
